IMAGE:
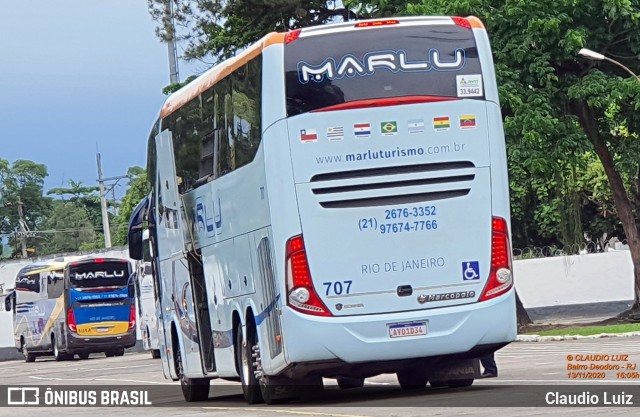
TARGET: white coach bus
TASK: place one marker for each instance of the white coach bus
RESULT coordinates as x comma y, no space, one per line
333,203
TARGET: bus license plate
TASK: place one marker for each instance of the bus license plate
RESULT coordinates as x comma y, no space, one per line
103,329
416,328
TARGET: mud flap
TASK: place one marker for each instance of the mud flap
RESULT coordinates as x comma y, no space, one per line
463,370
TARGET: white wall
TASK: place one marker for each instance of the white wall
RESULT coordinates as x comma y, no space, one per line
576,279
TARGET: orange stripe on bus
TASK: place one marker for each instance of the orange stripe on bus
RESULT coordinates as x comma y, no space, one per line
212,76
475,22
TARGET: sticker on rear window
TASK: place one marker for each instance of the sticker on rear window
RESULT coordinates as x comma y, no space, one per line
469,85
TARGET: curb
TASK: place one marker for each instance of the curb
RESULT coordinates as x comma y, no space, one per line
538,338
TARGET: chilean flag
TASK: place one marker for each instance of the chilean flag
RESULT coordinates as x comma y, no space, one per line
308,135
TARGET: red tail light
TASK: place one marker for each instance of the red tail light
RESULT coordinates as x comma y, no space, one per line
292,35
132,316
301,296
501,275
461,21
71,320
377,23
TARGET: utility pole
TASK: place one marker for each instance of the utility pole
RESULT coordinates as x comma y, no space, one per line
103,201
171,42
103,204
23,228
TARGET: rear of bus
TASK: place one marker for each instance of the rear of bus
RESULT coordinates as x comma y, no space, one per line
101,315
400,175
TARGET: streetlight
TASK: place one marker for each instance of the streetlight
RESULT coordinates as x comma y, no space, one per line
588,53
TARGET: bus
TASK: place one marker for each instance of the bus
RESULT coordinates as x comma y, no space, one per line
333,203
145,291
66,308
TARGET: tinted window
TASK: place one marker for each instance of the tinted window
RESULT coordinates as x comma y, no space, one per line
220,130
99,274
394,61
29,283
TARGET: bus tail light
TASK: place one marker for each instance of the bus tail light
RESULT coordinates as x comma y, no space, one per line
501,275
71,320
461,21
292,35
376,23
301,296
132,316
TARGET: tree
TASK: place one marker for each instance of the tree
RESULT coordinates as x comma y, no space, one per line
138,188
218,29
68,229
21,184
82,196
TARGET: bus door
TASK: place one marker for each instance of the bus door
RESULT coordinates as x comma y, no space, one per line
177,296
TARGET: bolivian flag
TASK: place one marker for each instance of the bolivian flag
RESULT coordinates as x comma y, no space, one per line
441,123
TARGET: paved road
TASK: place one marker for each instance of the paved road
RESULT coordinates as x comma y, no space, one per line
543,363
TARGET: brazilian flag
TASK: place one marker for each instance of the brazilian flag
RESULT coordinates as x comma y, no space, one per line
389,128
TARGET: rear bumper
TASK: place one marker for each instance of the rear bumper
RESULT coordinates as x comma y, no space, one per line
76,344
453,332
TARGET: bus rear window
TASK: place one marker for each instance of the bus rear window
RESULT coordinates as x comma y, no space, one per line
394,61
99,274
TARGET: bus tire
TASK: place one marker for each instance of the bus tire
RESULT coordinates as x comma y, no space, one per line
83,356
454,383
109,354
412,378
28,357
345,382
118,352
250,386
57,355
155,353
193,389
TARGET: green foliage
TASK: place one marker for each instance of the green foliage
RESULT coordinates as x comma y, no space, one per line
67,228
138,188
218,29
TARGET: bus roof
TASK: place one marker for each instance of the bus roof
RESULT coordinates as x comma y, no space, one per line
218,72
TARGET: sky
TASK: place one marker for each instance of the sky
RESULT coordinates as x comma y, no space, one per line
77,77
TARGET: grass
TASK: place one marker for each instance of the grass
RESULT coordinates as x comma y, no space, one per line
589,330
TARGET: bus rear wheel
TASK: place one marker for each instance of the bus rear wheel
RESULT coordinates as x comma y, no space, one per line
193,389
58,356
83,356
244,358
155,353
28,357
412,378
455,383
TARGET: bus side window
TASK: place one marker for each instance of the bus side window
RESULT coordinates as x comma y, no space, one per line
55,284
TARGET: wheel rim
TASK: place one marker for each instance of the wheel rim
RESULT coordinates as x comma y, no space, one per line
245,363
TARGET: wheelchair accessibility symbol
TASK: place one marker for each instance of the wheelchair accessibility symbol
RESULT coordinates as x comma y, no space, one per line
470,270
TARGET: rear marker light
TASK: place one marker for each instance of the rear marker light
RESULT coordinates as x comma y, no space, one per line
461,21
292,36
377,23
